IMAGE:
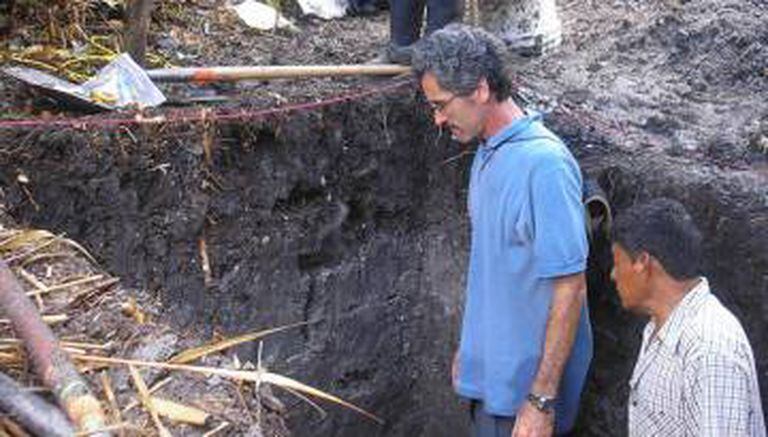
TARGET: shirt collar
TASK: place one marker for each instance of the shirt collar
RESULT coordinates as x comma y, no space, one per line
670,332
511,130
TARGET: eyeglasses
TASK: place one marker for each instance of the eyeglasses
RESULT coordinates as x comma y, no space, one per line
440,106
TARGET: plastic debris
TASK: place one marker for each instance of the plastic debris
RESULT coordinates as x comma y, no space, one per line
261,16
114,4
121,84
325,9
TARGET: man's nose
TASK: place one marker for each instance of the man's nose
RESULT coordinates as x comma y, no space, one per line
440,119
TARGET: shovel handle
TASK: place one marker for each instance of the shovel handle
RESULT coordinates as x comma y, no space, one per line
267,72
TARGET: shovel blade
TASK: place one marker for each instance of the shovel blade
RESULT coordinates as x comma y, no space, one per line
120,84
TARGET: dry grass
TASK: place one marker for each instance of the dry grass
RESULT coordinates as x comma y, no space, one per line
257,377
61,275
195,353
60,39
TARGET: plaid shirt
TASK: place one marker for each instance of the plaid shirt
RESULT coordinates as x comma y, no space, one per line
696,376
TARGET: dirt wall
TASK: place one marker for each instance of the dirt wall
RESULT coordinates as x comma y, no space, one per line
352,216
729,205
344,216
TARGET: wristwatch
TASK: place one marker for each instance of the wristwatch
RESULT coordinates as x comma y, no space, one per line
542,403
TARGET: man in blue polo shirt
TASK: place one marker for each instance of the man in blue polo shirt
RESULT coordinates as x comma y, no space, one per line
526,341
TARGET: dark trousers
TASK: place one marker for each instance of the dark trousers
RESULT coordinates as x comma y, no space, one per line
406,17
483,424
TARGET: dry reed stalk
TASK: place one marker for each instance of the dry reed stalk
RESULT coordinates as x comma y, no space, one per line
106,385
309,401
201,351
70,344
38,239
146,400
25,254
216,430
209,131
89,293
45,256
108,429
11,428
204,260
86,345
257,376
62,286
152,390
239,391
50,319
40,287
178,412
17,348
71,350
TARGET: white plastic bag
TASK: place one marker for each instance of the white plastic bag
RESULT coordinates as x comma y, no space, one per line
261,16
325,9
121,84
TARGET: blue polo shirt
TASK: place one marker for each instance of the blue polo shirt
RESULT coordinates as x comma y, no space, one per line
527,220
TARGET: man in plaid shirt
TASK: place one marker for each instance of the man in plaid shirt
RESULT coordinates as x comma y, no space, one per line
695,374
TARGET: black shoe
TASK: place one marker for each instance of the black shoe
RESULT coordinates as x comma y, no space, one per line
394,54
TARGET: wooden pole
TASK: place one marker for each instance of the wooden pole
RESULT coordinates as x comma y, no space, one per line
267,72
31,411
138,17
51,363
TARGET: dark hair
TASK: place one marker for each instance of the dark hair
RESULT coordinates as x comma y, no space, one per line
460,56
663,229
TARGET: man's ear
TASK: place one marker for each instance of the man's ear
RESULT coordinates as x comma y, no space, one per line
482,93
642,263
655,265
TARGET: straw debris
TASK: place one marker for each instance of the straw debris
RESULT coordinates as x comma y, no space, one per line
97,319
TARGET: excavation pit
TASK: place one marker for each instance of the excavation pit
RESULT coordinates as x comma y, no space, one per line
350,215
349,211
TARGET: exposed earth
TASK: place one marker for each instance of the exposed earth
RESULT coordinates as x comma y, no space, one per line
351,214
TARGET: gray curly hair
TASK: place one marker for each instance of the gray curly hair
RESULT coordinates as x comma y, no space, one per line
460,56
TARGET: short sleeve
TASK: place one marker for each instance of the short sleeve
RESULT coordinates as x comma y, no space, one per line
560,241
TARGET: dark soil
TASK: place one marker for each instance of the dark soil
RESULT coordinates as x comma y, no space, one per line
332,216
676,78
352,215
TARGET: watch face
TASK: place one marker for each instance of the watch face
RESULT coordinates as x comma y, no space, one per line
542,403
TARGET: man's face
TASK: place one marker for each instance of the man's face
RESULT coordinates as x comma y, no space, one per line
461,114
631,278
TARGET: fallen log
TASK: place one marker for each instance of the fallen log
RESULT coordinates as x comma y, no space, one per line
51,363
32,412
